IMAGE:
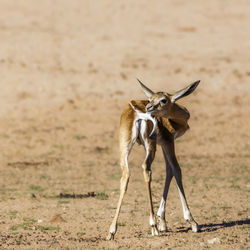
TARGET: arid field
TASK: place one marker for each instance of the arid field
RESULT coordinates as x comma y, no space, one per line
68,69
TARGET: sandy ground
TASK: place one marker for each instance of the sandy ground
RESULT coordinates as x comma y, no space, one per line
68,68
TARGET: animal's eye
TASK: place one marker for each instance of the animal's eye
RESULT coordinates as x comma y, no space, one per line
164,101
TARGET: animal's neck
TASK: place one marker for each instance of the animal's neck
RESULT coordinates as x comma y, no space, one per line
175,121
178,113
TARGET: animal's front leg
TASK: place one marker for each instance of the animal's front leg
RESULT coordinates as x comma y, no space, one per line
186,212
177,174
161,210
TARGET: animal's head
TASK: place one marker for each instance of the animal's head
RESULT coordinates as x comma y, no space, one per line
160,103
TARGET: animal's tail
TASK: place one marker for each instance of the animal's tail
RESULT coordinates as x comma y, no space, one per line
145,116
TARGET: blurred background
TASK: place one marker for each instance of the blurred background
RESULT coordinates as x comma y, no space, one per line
68,68
56,50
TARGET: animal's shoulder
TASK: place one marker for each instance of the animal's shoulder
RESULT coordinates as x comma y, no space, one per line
165,124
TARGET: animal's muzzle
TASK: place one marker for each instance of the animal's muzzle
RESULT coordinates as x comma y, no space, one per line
150,109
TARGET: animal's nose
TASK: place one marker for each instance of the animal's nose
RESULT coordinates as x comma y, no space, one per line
149,108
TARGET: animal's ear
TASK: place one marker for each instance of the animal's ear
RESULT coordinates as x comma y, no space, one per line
184,92
148,92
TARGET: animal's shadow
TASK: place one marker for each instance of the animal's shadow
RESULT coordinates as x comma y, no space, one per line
216,226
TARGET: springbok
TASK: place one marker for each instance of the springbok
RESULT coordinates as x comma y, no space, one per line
156,120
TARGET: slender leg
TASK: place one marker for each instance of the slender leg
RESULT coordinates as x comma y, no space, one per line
123,188
161,210
170,154
125,148
150,148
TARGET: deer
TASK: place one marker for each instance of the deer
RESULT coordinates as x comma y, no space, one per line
157,120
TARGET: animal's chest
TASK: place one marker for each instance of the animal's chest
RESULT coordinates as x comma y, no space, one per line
168,128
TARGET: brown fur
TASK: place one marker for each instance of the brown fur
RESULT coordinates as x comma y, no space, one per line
176,123
137,125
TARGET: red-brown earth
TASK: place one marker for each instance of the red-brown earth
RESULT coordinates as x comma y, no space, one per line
68,68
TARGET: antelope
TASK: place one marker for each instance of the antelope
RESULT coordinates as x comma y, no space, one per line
158,120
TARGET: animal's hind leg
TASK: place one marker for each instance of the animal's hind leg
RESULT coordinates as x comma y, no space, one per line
125,148
123,188
150,147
